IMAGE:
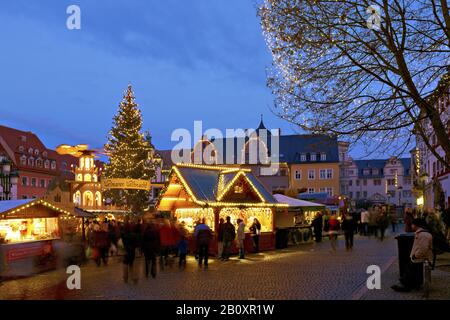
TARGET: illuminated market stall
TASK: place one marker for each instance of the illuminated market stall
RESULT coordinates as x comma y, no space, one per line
28,229
195,192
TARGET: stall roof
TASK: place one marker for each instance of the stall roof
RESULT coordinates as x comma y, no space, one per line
292,202
7,205
82,214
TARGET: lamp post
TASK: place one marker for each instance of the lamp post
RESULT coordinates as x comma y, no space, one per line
400,188
7,179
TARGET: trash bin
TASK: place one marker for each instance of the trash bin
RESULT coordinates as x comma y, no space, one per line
405,243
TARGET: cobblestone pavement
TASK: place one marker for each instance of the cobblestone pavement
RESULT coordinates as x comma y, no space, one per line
308,271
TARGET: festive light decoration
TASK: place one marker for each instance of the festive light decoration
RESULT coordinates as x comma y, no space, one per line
131,154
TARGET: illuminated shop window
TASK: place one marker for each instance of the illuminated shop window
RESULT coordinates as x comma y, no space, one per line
191,216
22,230
264,216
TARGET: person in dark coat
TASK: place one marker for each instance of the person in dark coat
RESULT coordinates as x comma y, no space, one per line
317,225
182,248
203,236
348,227
229,233
150,248
101,245
383,223
130,241
255,229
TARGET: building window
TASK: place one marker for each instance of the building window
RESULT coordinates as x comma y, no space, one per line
365,194
24,181
21,149
33,182
39,163
303,157
366,172
311,174
322,190
298,175
42,183
36,152
323,157
31,161
407,180
330,192
358,194
322,174
351,172
374,171
44,154
57,198
313,157
350,182
350,194
46,164
310,190
390,182
393,171
364,182
377,182
53,165
357,182
23,160
283,172
30,150
329,173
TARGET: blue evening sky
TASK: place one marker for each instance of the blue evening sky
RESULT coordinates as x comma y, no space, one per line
187,60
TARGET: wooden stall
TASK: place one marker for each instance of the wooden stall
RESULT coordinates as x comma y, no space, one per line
195,192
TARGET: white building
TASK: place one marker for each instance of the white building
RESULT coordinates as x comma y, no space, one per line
384,181
429,171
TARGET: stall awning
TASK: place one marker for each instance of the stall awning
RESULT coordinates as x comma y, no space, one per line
8,205
12,208
296,203
82,214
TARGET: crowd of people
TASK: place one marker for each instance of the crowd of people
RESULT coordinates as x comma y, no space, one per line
163,240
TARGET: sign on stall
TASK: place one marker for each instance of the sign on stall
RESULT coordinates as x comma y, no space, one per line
126,184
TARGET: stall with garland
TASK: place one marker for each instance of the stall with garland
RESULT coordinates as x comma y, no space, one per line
196,192
29,229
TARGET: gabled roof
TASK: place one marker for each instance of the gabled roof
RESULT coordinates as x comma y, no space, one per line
379,164
207,185
293,146
295,203
13,206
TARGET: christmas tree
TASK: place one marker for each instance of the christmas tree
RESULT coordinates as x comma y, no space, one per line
130,154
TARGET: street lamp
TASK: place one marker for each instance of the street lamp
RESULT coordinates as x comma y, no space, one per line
7,178
400,188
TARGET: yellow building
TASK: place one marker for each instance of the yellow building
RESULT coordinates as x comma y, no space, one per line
315,177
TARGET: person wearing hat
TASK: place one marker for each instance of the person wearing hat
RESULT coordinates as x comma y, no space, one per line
422,250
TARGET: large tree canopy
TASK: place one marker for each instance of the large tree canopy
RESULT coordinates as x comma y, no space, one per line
365,70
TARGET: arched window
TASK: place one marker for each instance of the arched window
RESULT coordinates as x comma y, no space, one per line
88,199
31,161
87,177
87,163
36,152
79,177
94,178
98,198
77,198
47,164
23,160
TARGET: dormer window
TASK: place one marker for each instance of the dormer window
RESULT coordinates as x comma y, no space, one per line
313,157
36,152
303,157
53,165
31,161
21,149
23,160
39,162
47,164
323,157
30,150
44,154
366,172
374,171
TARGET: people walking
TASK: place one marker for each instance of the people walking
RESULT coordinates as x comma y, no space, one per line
220,238
421,252
114,236
373,227
364,222
182,248
382,223
394,221
255,229
167,242
348,227
101,245
241,238
130,241
333,227
317,225
229,234
150,248
203,236
408,218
